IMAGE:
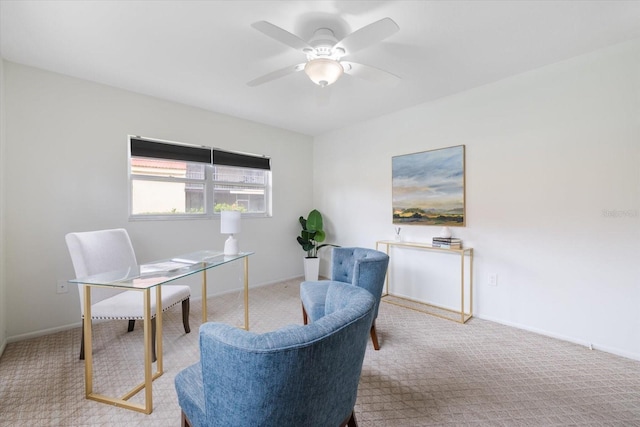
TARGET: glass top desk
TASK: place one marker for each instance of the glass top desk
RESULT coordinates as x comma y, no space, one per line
143,278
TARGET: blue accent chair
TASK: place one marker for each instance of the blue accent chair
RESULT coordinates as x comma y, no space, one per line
360,267
294,376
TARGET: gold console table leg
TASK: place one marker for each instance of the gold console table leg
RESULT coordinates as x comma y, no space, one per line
460,316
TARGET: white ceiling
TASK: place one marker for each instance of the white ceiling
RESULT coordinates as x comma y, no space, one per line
202,53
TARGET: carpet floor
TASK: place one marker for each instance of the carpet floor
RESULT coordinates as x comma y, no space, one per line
428,372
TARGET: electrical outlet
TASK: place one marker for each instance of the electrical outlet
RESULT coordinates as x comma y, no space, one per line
62,287
493,279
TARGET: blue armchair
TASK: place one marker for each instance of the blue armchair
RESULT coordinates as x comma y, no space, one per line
361,267
294,376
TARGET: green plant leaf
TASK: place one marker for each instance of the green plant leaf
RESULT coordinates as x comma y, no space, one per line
307,235
314,221
319,236
306,244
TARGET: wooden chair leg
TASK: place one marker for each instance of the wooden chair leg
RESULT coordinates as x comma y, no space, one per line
132,324
153,340
185,315
184,421
351,421
82,341
374,337
305,319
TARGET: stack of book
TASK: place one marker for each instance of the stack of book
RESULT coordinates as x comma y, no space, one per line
447,243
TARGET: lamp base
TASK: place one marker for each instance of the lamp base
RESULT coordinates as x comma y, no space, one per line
231,246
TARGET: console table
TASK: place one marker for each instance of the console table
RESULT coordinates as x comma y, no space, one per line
143,278
460,316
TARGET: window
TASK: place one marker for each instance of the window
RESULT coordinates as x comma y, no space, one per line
242,181
241,187
171,180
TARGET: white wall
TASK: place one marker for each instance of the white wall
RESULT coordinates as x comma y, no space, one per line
66,170
550,156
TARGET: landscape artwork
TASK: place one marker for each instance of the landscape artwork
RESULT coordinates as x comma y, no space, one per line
428,187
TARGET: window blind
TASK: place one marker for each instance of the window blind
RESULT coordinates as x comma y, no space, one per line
228,158
160,150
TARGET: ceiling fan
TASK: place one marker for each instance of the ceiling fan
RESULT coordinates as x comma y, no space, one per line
324,53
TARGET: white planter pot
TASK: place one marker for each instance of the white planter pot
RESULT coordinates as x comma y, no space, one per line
311,269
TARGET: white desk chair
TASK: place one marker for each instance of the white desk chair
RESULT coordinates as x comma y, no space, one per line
95,252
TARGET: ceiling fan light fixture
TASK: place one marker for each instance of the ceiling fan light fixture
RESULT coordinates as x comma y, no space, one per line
323,71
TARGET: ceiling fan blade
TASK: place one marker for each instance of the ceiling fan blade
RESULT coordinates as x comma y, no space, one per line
283,36
368,35
372,74
276,74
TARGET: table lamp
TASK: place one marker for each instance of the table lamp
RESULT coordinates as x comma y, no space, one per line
230,224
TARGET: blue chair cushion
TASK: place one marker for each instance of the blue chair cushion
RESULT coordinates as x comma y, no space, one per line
313,296
191,398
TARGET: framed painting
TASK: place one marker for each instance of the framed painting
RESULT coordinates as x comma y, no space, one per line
428,187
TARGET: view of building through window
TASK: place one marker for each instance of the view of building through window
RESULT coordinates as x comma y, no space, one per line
161,187
242,188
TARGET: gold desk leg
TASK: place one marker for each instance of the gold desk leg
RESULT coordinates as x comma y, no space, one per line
204,296
88,343
122,402
159,367
246,293
147,350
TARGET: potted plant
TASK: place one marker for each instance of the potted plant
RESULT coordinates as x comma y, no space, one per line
310,238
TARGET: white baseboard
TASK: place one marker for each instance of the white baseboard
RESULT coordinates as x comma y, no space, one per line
586,344
43,332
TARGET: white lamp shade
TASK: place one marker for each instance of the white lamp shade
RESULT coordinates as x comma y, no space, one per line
229,222
323,71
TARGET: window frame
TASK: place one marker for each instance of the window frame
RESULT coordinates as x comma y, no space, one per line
208,182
